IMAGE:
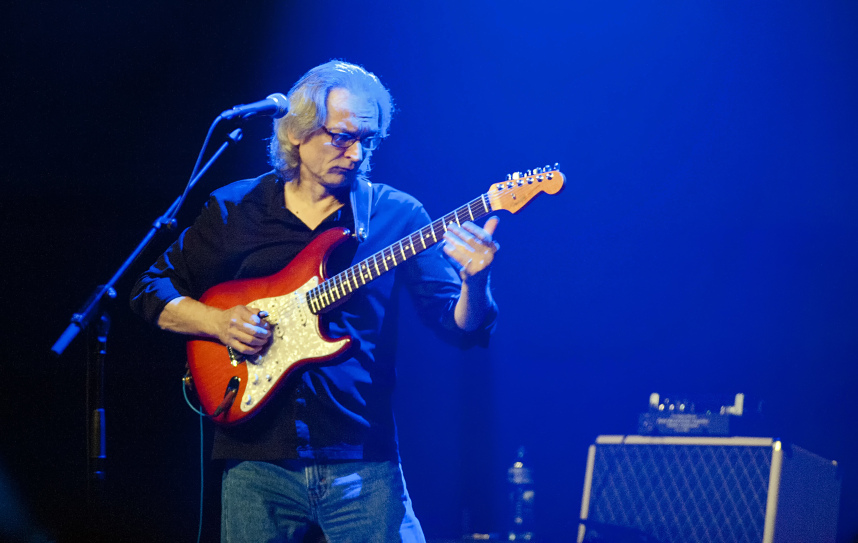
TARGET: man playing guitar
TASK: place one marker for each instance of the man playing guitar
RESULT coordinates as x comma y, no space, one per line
319,450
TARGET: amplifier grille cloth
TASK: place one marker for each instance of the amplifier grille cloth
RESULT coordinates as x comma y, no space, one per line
682,493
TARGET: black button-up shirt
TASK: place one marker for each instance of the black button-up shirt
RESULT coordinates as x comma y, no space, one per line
336,411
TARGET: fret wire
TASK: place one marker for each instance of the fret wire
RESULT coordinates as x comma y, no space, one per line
460,211
327,290
471,211
323,302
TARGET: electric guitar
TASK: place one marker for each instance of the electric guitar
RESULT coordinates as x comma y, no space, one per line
295,296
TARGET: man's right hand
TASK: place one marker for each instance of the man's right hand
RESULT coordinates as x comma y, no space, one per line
244,330
239,327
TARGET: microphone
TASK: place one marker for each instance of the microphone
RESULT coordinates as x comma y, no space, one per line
275,105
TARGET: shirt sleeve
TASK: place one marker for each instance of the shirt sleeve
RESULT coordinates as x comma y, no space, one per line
191,265
435,287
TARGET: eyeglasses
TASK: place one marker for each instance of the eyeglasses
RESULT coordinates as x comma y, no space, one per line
344,140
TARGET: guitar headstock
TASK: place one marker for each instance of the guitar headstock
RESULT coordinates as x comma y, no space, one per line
519,188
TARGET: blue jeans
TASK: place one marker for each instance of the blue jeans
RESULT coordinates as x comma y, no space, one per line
352,502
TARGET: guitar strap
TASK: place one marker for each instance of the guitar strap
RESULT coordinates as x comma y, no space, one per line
361,197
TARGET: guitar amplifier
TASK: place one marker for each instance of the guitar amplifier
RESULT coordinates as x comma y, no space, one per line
707,489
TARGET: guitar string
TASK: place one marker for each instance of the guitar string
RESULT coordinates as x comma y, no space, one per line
333,286
362,273
316,292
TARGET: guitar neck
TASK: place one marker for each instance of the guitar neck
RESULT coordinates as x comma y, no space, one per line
344,283
511,195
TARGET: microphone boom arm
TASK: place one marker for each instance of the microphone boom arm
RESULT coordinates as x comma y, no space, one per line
81,319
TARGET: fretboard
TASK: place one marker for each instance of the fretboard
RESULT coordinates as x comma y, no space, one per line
344,283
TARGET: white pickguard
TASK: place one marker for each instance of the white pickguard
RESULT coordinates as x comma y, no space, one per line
296,338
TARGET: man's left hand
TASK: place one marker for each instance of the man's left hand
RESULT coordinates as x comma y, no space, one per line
472,247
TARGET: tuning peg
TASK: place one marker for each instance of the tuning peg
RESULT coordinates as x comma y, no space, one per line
537,171
509,177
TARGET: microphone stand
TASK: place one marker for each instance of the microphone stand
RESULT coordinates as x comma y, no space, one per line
97,456
95,409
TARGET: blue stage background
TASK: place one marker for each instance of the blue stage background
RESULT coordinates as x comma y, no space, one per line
705,242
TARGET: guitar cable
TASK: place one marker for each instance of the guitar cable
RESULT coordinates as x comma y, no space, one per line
202,458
